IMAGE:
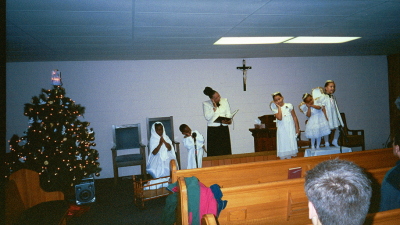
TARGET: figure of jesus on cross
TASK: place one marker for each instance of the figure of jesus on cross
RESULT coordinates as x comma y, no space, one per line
244,68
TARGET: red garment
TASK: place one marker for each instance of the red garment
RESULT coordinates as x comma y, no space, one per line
208,204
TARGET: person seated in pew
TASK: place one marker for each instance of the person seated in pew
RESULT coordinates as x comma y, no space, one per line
390,188
161,153
194,143
339,192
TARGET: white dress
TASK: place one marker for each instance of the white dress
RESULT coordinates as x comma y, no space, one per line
286,139
158,164
188,142
317,126
332,111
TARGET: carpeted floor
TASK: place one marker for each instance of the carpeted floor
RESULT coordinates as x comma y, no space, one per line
114,205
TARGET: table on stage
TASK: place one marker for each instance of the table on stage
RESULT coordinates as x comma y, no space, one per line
325,151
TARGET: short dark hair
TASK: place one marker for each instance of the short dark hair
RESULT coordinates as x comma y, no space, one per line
182,127
340,192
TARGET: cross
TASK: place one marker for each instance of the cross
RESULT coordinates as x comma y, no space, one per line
244,68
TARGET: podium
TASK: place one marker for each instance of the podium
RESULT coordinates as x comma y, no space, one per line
265,138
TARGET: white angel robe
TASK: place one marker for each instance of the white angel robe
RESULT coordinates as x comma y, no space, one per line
317,126
188,142
286,138
332,111
158,165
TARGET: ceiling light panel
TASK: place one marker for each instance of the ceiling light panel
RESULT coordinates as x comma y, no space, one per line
321,40
250,40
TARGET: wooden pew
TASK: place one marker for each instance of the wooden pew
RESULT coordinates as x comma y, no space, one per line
238,158
278,202
370,159
383,218
379,218
268,171
208,219
243,158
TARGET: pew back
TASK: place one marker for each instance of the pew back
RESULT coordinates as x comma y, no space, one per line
379,218
239,158
278,202
370,159
243,158
208,219
268,171
383,218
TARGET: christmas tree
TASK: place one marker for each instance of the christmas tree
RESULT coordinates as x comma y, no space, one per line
56,144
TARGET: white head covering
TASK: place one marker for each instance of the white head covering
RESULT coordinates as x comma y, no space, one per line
155,140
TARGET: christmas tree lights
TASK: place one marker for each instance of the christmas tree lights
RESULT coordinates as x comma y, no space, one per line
56,144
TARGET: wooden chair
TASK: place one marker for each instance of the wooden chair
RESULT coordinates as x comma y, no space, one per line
127,138
302,142
351,138
168,123
27,203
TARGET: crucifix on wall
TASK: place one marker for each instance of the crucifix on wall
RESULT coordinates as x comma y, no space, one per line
244,68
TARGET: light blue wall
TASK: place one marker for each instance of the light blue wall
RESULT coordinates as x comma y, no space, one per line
122,92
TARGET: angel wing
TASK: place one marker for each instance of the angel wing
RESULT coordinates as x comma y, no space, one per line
272,106
317,92
301,107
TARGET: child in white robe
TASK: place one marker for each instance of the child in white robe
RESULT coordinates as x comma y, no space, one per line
317,123
332,112
287,127
161,153
194,150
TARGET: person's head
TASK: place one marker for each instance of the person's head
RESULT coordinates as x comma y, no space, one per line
308,99
339,192
396,143
185,129
278,98
212,94
159,128
330,87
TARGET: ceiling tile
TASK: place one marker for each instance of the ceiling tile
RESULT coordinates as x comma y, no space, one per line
186,20
50,30
199,7
68,18
70,5
316,8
